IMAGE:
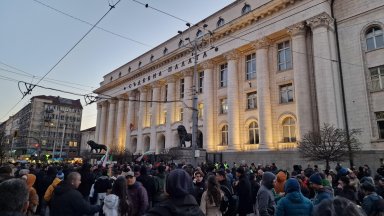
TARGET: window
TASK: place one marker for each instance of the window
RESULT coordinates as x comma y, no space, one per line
223,106
377,77
164,116
224,135
289,130
199,33
286,93
220,22
201,81
223,75
201,109
251,66
182,88
380,123
245,9
166,92
284,56
251,100
181,43
165,50
181,114
253,133
151,59
374,38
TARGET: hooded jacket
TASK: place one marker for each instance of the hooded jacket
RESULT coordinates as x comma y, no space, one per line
111,205
265,198
49,192
244,193
139,198
33,197
67,200
281,177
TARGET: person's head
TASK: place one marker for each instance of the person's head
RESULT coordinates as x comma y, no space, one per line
161,169
344,181
240,171
338,206
131,178
221,175
213,190
119,188
60,175
74,179
178,183
14,196
268,180
316,181
367,187
291,185
199,176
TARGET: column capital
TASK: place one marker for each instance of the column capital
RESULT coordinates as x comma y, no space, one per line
171,79
320,20
123,96
297,29
187,73
143,89
231,55
207,65
113,101
157,84
131,94
262,43
99,105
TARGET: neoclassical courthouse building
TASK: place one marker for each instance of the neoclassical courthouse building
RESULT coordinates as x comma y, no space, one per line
267,72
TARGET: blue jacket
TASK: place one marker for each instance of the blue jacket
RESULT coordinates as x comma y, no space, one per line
368,202
294,204
322,194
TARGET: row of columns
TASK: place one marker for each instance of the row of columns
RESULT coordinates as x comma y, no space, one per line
326,88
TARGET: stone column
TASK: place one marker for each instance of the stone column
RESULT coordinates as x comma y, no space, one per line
208,132
141,123
171,96
103,122
130,119
301,80
155,115
111,123
119,133
188,96
324,73
263,94
233,101
98,122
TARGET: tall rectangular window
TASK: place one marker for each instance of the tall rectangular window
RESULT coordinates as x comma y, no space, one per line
223,75
252,100
284,59
201,81
182,88
377,78
380,123
223,106
250,69
181,114
166,93
164,116
200,108
286,93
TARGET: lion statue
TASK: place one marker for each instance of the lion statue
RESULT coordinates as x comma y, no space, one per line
187,137
95,146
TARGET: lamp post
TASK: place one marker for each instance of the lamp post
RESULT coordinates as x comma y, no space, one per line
62,138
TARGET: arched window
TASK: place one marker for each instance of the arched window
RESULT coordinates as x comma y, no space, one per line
374,38
199,33
220,22
224,135
245,9
253,130
289,130
165,50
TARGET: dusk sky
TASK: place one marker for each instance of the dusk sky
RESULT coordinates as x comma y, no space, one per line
36,34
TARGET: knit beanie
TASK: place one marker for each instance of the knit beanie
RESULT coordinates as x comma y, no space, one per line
291,185
316,179
179,183
60,175
268,179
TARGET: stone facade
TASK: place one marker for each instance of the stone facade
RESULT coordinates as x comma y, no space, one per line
264,78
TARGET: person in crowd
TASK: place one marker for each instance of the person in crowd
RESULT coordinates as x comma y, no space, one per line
294,203
281,177
370,199
243,190
33,197
148,183
266,204
198,185
49,192
42,183
87,179
345,189
255,186
321,192
211,198
380,187
180,202
226,188
159,178
67,200
353,180
338,206
5,173
138,195
14,195
118,203
101,187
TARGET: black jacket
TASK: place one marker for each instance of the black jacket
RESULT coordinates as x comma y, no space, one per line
180,206
244,192
67,200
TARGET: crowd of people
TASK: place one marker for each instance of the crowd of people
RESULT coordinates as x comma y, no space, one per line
161,189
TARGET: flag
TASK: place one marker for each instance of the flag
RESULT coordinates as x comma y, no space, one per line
106,157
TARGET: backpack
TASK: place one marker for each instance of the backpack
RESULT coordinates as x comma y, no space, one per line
229,202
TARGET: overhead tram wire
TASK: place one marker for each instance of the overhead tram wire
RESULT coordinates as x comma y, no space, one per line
90,24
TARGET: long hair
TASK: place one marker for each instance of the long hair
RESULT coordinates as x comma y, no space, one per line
213,190
120,189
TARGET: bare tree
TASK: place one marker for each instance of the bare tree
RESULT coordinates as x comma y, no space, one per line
3,147
330,144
